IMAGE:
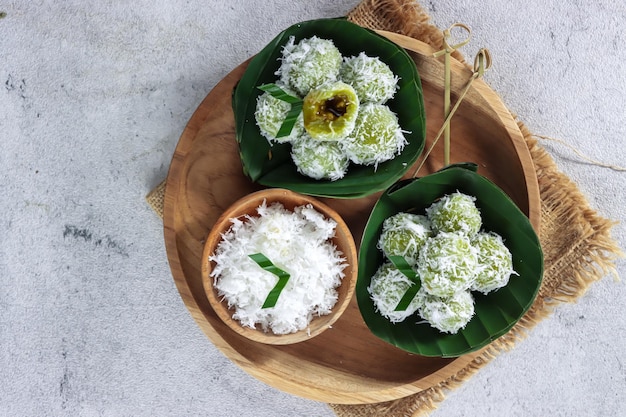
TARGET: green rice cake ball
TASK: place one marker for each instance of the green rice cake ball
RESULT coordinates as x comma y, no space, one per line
377,136
448,315
447,264
309,63
386,289
404,234
319,159
330,111
270,114
495,263
372,79
456,212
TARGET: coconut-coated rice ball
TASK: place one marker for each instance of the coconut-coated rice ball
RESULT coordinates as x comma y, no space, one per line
450,314
377,136
270,114
386,289
495,263
372,79
309,63
319,159
456,212
404,234
447,264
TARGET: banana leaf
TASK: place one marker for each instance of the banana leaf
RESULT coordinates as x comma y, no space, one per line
496,312
271,165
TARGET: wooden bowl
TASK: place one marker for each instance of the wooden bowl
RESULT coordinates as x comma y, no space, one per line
247,206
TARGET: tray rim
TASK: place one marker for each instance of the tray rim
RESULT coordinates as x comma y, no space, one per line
291,385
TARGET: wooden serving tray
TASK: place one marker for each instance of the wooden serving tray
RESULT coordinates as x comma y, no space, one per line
346,364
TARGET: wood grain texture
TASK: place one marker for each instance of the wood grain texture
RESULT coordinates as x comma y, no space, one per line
345,364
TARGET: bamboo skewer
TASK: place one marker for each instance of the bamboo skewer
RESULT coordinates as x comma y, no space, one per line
482,62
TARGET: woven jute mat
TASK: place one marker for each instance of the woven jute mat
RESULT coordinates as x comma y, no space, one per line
574,256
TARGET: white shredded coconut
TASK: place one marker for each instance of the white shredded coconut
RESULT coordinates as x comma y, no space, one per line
404,234
377,136
447,264
319,159
456,212
386,289
495,263
270,114
372,79
447,315
297,242
309,63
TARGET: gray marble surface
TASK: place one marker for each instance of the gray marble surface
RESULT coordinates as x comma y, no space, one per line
93,98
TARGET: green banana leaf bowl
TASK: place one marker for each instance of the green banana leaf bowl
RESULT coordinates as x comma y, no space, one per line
272,166
495,313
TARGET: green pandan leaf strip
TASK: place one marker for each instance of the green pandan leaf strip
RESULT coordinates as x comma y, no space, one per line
292,116
283,278
406,269
277,92
290,120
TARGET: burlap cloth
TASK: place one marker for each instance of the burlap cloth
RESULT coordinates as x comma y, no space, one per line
574,256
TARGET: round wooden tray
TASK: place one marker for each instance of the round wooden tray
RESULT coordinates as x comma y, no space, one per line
345,364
